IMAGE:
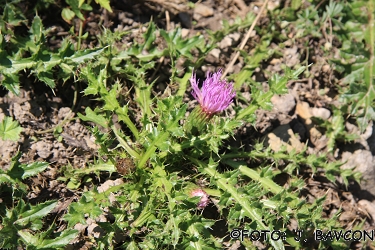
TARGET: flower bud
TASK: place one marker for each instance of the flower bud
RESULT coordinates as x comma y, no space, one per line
204,197
214,96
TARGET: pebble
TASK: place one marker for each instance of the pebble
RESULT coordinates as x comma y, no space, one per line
326,68
368,206
215,53
323,113
203,10
283,103
226,43
362,161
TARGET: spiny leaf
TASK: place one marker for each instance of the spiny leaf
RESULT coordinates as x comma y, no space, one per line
36,212
11,83
93,117
37,29
82,56
23,171
61,241
77,210
110,99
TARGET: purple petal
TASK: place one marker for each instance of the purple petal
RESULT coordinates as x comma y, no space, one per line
215,94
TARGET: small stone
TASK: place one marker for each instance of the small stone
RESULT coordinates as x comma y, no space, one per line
184,32
215,53
291,56
368,207
273,5
226,42
283,136
95,231
321,112
303,110
203,10
283,103
275,61
63,112
363,162
326,68
327,46
235,36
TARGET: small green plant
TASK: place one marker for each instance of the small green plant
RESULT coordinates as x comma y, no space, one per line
31,53
22,224
9,129
77,9
359,93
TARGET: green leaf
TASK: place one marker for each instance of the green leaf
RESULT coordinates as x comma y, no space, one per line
82,56
36,212
9,129
28,238
183,82
261,53
86,205
123,116
33,169
296,4
67,14
110,99
75,8
179,45
37,29
242,76
11,16
248,111
149,36
86,7
96,83
172,225
124,144
104,4
11,82
93,117
23,171
73,183
17,65
47,78
61,241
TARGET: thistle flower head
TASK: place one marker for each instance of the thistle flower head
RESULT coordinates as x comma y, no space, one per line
204,197
215,94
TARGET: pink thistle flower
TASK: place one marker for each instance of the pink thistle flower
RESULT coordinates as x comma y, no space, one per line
215,94
204,198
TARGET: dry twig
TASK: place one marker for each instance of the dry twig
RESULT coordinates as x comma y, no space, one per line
244,41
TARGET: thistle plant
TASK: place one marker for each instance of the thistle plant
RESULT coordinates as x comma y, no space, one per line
214,96
176,170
